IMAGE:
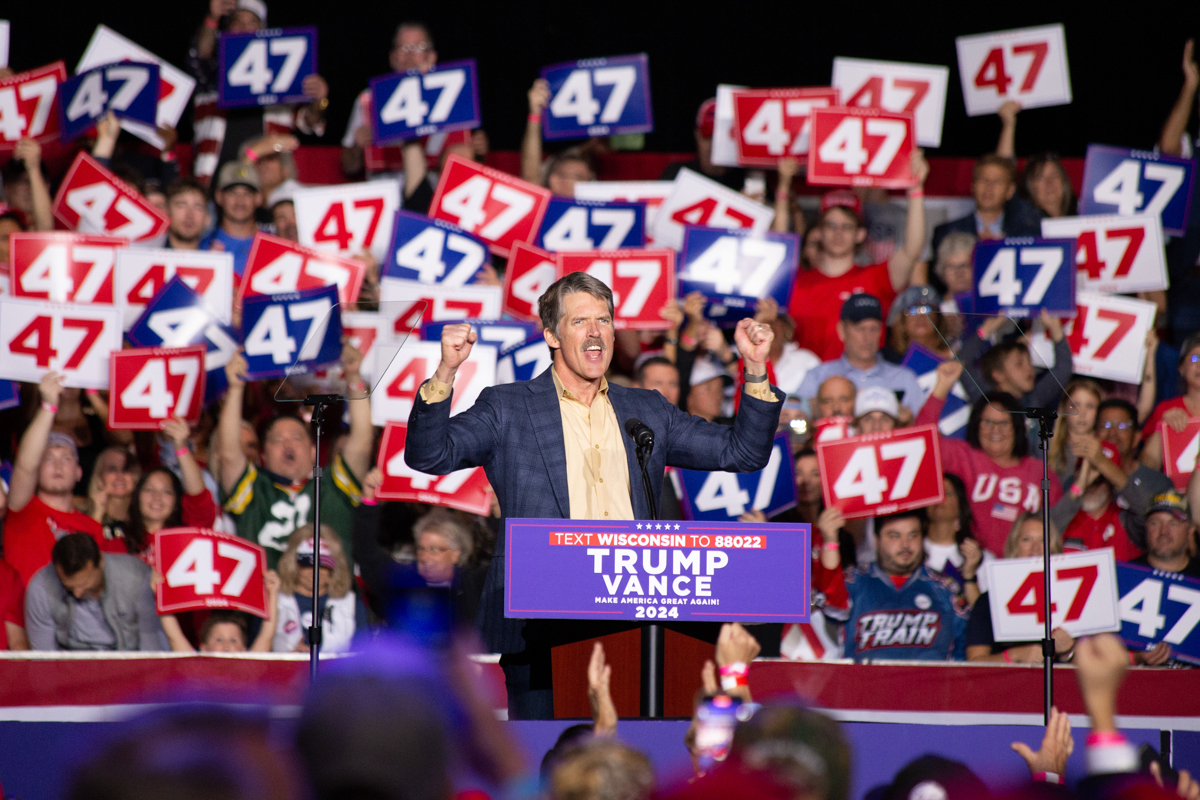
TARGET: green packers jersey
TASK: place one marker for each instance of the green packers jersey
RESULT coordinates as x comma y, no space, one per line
267,511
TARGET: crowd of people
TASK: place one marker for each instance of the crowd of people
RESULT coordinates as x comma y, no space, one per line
80,503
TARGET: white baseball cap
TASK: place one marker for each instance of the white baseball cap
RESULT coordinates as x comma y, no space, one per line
876,398
256,7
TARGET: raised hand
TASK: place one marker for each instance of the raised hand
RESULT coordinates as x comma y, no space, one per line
1057,746
457,341
735,645
177,431
539,96
235,370
50,389
753,340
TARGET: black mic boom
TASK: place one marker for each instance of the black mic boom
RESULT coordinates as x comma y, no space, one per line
640,433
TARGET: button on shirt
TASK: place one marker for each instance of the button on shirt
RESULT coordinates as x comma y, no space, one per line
887,375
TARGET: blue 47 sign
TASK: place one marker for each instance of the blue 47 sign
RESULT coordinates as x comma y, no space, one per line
504,334
571,225
433,251
129,89
524,361
598,97
177,317
734,269
1158,606
1128,182
725,496
956,411
287,334
266,68
406,105
1020,277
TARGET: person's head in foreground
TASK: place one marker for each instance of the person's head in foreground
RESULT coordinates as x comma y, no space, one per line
602,769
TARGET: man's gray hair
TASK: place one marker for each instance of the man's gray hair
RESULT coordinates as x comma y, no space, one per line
443,522
550,306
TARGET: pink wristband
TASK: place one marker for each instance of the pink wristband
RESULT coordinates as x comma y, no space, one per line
180,452
370,501
916,192
209,22
53,409
1101,738
735,669
535,117
831,545
1007,658
250,154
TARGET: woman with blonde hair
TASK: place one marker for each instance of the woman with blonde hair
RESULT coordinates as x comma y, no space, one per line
110,489
1075,428
342,614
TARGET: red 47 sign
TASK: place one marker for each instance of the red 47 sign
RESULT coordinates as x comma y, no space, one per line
642,282
861,147
409,303
348,219
1083,595
93,200
769,124
277,266
63,267
142,272
1108,336
38,337
530,272
493,205
148,386
204,569
1116,255
1180,451
27,105
466,489
1028,65
867,476
394,394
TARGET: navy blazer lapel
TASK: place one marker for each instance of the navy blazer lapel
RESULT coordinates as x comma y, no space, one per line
546,419
624,407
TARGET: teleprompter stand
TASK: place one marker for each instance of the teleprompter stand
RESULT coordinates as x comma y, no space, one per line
1045,418
319,403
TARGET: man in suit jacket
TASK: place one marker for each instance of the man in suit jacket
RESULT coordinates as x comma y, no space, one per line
554,447
998,213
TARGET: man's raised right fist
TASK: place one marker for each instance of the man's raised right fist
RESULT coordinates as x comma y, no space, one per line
456,348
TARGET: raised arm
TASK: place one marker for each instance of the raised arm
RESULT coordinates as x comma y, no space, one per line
28,463
416,168
1007,146
1148,392
788,167
232,461
206,39
900,266
266,632
531,145
190,474
30,152
1171,140
357,452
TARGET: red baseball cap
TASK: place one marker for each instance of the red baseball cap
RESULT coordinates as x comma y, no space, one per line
841,198
706,117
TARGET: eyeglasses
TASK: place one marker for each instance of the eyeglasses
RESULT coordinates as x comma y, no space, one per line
423,47
433,551
1193,359
995,423
849,227
1121,426
914,310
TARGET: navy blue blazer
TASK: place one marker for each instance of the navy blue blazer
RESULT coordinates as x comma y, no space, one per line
515,433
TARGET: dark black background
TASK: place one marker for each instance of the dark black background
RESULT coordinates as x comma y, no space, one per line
1125,64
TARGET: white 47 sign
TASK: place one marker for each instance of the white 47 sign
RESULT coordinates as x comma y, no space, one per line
1028,65
72,339
1083,594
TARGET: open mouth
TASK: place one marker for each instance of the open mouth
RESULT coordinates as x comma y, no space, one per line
593,351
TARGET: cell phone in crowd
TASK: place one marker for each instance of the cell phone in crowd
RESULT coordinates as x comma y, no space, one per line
716,718
1148,755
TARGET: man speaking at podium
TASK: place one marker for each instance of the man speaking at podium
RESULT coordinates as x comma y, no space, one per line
555,447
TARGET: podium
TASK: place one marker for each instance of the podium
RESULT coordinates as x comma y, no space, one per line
645,578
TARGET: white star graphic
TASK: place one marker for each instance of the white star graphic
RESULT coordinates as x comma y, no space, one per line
639,526
658,527
676,526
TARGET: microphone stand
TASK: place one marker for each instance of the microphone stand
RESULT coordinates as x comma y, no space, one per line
1046,418
319,403
652,635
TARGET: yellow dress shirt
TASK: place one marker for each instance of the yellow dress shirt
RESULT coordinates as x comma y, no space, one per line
597,472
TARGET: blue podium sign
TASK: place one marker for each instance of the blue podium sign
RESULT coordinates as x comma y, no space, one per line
644,570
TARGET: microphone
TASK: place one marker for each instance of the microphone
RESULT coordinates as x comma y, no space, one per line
640,433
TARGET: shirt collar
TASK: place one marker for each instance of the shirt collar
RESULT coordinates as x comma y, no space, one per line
562,391
996,227
851,368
